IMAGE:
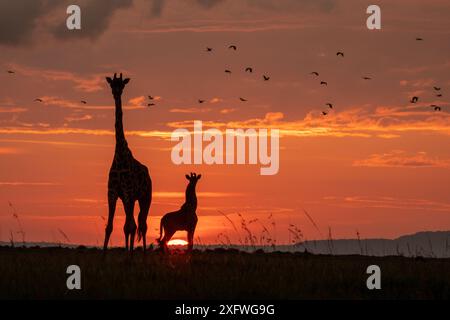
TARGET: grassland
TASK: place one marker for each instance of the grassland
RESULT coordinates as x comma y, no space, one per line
40,273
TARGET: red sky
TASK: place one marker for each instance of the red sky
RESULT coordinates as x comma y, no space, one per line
376,163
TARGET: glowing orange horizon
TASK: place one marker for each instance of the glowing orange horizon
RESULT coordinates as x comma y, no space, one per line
177,242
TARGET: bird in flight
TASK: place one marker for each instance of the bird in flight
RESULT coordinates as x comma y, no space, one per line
340,54
414,99
324,83
329,105
367,78
315,73
227,71
324,113
38,100
242,99
201,101
10,71
436,108
437,88
150,104
83,102
249,69
232,47
419,39
150,97
439,95
209,49
266,78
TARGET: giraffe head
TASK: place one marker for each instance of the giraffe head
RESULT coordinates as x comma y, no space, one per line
193,178
117,85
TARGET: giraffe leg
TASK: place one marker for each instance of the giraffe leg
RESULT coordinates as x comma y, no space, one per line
112,200
130,224
190,240
168,234
133,228
144,206
127,235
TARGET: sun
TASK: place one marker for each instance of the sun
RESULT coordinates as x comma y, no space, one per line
177,242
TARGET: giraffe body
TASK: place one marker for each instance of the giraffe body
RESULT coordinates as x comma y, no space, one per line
184,219
128,180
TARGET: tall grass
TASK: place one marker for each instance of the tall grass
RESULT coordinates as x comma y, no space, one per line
257,232
64,235
15,215
359,242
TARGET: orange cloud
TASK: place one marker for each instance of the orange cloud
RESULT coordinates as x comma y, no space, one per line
78,118
387,202
247,28
23,183
9,150
356,122
64,103
190,110
137,101
215,100
92,83
399,158
12,110
383,122
95,132
227,110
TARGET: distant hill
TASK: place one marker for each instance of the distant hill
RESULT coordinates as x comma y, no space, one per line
422,244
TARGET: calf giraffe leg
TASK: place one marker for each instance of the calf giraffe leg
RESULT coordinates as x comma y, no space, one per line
168,234
191,239
112,200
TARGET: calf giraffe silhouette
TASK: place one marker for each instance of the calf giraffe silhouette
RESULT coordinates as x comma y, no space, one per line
128,179
184,219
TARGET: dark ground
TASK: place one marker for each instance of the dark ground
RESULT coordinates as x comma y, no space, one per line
40,273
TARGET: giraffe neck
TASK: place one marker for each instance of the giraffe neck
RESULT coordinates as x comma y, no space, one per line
191,197
120,136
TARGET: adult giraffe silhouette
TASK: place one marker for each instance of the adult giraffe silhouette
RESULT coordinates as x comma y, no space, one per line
184,219
128,179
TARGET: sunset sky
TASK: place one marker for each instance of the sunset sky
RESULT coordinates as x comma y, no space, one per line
376,164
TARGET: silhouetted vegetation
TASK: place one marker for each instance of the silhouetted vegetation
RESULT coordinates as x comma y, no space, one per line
40,273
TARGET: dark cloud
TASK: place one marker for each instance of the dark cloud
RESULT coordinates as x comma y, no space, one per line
290,5
95,18
207,4
18,19
157,8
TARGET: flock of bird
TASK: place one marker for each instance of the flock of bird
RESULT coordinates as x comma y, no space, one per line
434,106
437,91
152,99
413,99
227,71
325,83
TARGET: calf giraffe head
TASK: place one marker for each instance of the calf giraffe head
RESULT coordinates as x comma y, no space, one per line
193,178
117,85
